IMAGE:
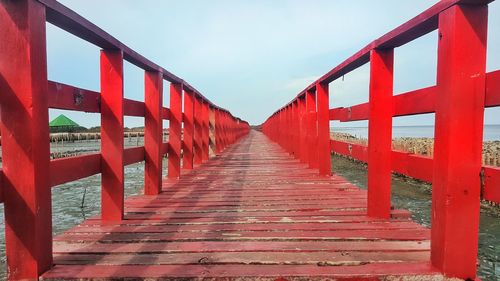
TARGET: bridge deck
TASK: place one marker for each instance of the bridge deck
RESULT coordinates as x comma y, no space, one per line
253,211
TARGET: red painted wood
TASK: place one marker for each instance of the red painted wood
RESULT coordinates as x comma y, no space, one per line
420,101
187,149
324,157
25,139
492,89
368,272
295,129
217,132
133,155
380,133
312,130
205,133
458,139
353,113
491,189
197,137
175,131
302,129
246,246
251,211
164,148
133,108
69,169
153,132
267,258
112,178
166,113
62,96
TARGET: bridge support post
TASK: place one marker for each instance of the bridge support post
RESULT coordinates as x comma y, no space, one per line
295,135
198,130
25,139
312,129
323,104
205,136
380,133
303,129
217,132
112,175
153,131
174,136
458,139
187,148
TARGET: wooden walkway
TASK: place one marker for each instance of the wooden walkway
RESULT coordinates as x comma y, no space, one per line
252,212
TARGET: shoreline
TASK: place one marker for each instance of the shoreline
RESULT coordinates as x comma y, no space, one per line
424,146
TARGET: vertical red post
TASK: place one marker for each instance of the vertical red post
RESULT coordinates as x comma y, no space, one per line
153,131
380,133
174,136
281,124
187,149
205,136
217,131
323,104
112,175
289,128
458,139
197,131
211,130
295,117
312,129
303,129
222,130
25,139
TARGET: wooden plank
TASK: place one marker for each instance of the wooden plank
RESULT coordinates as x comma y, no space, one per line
492,89
133,155
153,132
62,96
133,108
112,143
380,133
491,184
244,246
248,210
244,258
25,139
458,139
188,135
69,169
175,132
234,272
277,226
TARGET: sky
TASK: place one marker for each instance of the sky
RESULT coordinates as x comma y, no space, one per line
253,56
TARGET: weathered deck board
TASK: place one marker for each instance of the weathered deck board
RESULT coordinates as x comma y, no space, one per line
253,212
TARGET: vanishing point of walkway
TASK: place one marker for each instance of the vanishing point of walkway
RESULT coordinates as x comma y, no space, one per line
252,212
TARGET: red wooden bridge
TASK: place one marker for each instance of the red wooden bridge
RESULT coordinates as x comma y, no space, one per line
241,204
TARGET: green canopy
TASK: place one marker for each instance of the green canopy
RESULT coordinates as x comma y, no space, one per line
63,121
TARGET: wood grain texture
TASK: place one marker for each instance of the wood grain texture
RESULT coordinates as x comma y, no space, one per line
252,212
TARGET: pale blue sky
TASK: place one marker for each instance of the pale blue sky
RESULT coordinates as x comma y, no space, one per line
252,56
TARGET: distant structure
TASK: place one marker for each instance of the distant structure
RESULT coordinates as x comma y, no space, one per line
63,124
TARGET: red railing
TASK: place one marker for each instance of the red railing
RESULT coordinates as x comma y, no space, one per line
464,90
26,95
